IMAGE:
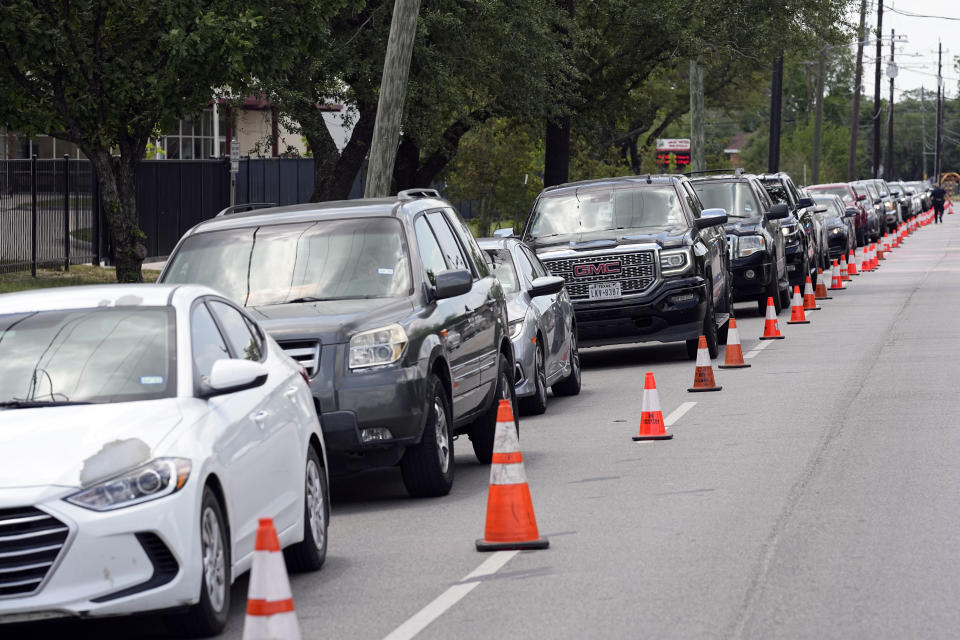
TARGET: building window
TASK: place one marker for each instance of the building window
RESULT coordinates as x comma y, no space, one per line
192,138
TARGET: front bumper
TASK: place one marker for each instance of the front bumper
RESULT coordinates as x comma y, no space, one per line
838,244
794,259
525,359
141,558
391,397
751,275
670,311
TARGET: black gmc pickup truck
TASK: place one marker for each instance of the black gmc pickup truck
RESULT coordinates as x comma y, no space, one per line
643,261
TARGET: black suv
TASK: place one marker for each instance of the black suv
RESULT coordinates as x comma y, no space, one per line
800,228
641,258
390,307
757,248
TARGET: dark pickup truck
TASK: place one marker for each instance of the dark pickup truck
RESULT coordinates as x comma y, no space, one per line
643,261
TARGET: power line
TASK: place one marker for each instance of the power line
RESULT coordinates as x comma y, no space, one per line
911,14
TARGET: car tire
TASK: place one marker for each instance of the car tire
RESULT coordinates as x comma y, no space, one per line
427,467
570,386
310,553
536,404
773,291
484,430
723,331
209,615
709,332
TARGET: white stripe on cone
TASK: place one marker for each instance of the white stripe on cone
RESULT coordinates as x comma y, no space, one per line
807,288
771,314
268,581
797,298
703,357
505,440
733,336
651,399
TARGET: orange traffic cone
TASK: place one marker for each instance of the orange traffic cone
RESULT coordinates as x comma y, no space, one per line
809,299
836,282
703,375
734,352
511,523
270,611
852,269
651,417
771,327
797,316
844,271
821,290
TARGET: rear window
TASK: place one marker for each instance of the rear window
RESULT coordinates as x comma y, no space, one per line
279,264
777,192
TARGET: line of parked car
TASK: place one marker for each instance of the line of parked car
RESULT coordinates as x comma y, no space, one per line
286,344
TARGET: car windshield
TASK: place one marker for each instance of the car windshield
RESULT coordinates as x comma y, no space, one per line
283,263
777,192
736,198
602,209
504,269
833,208
103,354
843,192
872,190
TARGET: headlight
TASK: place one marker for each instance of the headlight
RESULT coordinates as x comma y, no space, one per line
516,326
156,479
377,347
889,205
750,245
791,233
674,261
835,231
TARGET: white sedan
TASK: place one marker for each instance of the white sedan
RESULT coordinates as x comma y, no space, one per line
144,429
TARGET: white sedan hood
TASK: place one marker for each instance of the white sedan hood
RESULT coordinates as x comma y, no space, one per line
75,446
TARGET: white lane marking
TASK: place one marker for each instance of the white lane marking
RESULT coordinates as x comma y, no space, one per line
678,413
450,597
757,349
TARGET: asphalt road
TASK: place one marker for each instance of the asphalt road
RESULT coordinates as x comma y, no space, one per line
815,496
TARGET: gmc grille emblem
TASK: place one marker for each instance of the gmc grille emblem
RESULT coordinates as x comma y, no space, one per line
596,269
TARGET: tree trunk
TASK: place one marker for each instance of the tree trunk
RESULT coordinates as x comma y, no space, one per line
119,188
334,175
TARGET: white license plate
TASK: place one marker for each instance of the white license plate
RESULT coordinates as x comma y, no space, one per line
604,290
791,267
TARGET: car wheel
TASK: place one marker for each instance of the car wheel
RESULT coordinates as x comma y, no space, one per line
537,403
722,332
483,431
709,332
209,616
773,291
427,467
570,386
309,553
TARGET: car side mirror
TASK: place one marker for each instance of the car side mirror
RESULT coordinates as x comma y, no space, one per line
805,202
451,283
710,218
546,286
777,212
850,213
232,375
861,197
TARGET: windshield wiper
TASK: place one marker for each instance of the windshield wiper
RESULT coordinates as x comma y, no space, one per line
307,299
29,404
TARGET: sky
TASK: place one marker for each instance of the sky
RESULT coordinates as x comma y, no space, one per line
916,57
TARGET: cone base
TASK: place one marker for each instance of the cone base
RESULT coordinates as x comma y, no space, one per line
733,366
540,543
798,322
665,436
835,288
699,389
805,309
772,337
825,298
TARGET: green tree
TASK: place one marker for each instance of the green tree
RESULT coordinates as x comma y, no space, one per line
103,74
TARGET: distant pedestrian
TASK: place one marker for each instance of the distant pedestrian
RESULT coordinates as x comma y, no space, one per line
939,196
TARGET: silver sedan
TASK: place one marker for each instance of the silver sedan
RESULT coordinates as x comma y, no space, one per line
542,325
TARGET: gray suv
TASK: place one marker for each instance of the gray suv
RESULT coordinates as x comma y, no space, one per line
390,307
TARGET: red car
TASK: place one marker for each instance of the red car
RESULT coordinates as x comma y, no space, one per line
851,200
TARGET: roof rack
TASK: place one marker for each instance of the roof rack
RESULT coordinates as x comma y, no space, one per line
413,194
249,206
737,172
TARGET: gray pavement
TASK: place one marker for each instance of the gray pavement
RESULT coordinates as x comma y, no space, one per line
815,496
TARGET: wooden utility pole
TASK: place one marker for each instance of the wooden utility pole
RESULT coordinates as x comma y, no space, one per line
698,137
876,94
818,118
939,142
923,133
857,89
776,96
393,90
556,143
891,73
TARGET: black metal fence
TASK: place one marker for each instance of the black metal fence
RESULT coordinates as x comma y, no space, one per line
47,213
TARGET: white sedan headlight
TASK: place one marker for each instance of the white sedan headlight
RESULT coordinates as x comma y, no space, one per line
155,479
377,347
